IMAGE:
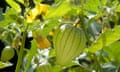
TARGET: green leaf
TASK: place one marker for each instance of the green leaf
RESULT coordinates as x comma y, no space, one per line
74,11
106,39
92,5
56,68
113,51
104,2
14,5
3,65
117,9
49,25
9,17
52,53
30,55
59,11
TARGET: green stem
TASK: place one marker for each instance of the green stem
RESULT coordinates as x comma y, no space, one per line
17,51
118,69
99,69
103,34
20,55
82,22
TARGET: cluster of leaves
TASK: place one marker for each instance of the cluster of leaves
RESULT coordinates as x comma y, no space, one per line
98,18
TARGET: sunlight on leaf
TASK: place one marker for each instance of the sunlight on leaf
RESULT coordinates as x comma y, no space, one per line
59,11
14,5
3,65
106,39
118,9
92,5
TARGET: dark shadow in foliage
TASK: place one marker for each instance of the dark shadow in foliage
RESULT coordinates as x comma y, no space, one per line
14,59
2,45
50,2
3,5
21,6
31,4
28,42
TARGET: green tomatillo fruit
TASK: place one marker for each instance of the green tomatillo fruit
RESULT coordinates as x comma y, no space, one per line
69,42
7,53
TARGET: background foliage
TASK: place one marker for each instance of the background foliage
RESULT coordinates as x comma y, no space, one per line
100,20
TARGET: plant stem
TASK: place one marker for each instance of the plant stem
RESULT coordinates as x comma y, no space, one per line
97,63
82,21
103,34
20,55
118,69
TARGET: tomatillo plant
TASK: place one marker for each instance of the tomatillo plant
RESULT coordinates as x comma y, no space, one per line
40,9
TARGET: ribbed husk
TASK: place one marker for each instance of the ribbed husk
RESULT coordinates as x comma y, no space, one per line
69,42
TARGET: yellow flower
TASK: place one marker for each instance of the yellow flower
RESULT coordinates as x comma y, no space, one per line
40,9
41,41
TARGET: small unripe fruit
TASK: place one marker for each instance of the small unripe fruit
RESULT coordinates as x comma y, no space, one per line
7,53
